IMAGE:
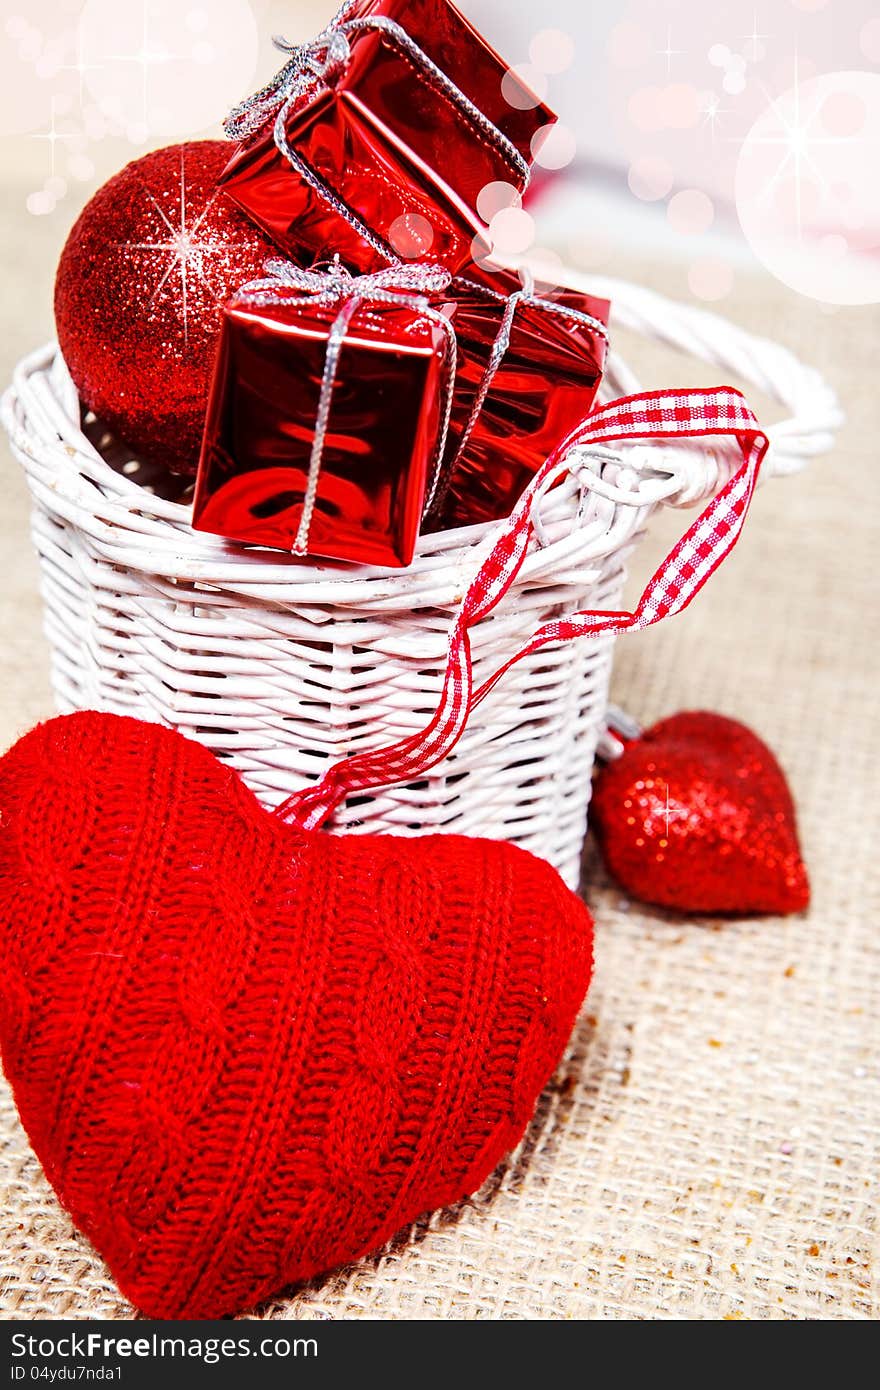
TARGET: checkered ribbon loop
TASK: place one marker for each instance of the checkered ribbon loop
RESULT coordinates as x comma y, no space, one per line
651,416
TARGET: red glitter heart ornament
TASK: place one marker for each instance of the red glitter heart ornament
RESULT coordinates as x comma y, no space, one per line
247,1053
696,814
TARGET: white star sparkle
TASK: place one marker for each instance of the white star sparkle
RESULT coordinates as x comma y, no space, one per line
145,58
795,140
186,251
673,812
80,66
669,52
52,135
755,37
712,113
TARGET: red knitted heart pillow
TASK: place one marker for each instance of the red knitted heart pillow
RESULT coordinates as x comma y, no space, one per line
245,1053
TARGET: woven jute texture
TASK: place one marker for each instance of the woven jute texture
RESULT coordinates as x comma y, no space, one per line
708,1148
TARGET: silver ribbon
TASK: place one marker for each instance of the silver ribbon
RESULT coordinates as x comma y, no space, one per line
404,286
318,64
526,295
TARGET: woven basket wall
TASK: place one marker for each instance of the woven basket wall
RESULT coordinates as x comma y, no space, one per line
280,666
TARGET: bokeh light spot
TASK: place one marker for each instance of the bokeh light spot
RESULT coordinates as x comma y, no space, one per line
554,146
681,106
547,270
80,167
163,78
646,109
524,86
813,233
869,40
496,195
512,231
650,178
481,252
39,204
411,235
843,114
552,50
690,212
710,279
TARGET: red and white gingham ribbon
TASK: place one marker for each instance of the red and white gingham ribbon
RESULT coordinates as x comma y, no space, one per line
649,416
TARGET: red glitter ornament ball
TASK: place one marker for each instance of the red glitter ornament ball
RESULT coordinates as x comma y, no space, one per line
138,292
696,814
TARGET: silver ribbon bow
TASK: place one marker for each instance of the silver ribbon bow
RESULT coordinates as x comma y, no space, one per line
405,286
318,63
525,295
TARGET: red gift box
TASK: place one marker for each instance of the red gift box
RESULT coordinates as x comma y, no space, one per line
375,140
327,414
529,366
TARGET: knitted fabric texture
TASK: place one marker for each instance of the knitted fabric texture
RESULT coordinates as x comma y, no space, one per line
245,1053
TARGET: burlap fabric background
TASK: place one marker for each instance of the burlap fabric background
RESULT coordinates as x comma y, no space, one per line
708,1148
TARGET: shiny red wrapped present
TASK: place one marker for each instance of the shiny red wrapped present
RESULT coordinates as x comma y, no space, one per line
375,139
529,367
328,412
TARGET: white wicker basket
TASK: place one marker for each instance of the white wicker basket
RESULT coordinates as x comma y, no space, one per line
280,666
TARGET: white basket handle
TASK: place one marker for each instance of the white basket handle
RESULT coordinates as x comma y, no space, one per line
816,414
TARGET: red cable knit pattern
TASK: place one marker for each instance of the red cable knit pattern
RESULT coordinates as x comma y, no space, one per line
245,1053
